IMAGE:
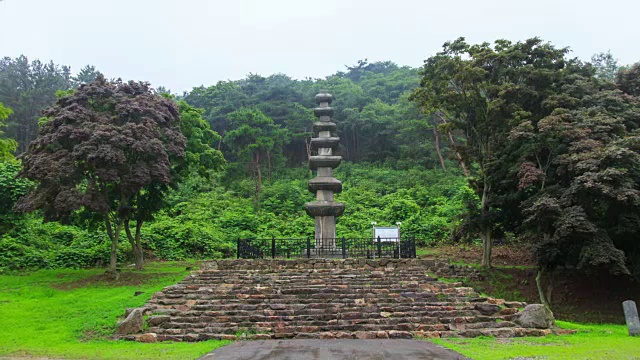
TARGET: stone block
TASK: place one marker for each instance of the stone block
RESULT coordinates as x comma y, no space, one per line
487,309
343,335
365,334
515,304
537,332
534,316
147,338
427,334
631,317
495,301
499,333
190,337
470,333
327,335
508,311
158,319
132,324
395,334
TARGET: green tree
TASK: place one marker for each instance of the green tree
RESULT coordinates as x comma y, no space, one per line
106,149
86,75
606,66
201,155
628,80
7,145
484,90
252,138
28,87
12,187
583,207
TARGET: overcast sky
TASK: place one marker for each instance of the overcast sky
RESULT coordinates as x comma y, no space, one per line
185,43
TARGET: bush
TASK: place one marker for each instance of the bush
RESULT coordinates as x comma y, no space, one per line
204,220
34,245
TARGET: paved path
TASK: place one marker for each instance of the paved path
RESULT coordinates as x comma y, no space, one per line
333,350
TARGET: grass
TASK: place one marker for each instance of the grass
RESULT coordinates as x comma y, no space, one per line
479,267
593,342
423,251
72,313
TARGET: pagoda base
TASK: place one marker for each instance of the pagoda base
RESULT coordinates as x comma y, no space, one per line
334,253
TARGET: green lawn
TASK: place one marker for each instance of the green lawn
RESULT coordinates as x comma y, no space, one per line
591,342
71,313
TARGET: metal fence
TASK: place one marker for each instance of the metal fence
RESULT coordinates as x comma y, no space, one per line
291,248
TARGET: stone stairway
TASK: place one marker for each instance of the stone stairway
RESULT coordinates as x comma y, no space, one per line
325,298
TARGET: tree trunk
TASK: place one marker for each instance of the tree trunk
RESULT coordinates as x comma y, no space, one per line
485,232
437,137
543,298
453,144
114,236
136,244
220,141
139,241
269,165
258,172
458,156
307,144
486,248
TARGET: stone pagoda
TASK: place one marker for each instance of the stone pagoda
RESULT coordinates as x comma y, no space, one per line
324,185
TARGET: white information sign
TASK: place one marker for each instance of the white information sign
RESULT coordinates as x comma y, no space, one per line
386,233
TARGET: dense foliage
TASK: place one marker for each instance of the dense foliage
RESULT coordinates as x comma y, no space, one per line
484,141
555,144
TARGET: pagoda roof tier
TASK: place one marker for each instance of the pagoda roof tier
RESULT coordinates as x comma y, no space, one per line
319,161
325,183
324,126
324,208
325,142
323,111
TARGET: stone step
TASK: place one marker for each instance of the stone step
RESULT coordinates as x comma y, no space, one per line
302,276
404,324
276,308
313,286
234,329
327,274
319,298
498,333
317,281
304,310
378,317
265,287
294,299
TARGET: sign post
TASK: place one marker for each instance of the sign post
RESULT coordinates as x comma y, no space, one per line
386,233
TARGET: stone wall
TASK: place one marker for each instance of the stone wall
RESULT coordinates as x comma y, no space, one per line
434,267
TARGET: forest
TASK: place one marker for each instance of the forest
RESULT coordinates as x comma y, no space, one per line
510,142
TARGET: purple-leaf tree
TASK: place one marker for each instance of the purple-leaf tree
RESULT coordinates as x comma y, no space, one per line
107,148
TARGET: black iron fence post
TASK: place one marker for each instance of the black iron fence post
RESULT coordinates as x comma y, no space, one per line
413,248
273,247
362,247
